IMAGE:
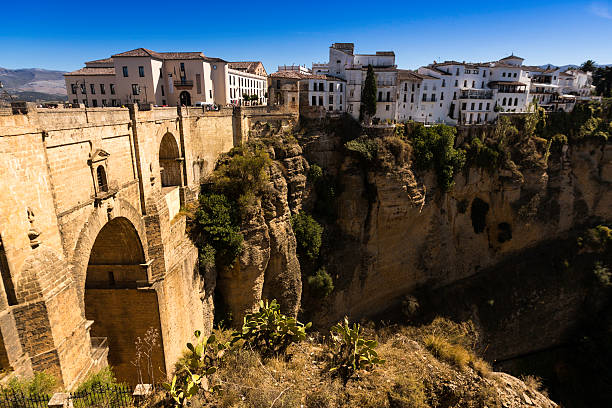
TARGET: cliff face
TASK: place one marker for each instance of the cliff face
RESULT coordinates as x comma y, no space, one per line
268,267
407,234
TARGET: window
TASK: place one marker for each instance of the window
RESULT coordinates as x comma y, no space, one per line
75,101
163,102
388,96
515,101
463,105
125,72
488,105
411,98
331,108
441,96
379,96
135,89
94,103
386,107
424,97
454,96
503,74
404,98
473,84
320,101
104,103
412,87
341,101
433,97
480,106
337,61
278,84
472,106
83,90
457,73
198,84
456,82
504,102
141,71
341,87
465,83
485,118
331,99
444,82
331,87
484,73
112,89
183,66
162,91
102,89
86,103
73,87
514,75
101,176
160,74
114,102
321,88
210,93
405,87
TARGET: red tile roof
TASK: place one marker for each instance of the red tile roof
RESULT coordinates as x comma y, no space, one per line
512,57
92,71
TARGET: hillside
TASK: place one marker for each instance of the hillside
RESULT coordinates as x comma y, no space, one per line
32,84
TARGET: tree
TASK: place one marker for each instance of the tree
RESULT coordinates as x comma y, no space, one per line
368,96
588,66
602,79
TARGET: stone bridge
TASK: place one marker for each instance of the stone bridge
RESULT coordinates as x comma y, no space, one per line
93,246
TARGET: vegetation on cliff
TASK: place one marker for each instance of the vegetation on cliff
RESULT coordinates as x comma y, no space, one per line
353,366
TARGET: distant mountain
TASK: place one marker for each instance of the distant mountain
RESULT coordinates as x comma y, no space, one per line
34,84
571,66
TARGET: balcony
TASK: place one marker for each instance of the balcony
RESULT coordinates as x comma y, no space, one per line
183,84
476,94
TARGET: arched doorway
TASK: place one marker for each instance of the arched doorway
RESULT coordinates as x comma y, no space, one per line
185,98
169,161
118,300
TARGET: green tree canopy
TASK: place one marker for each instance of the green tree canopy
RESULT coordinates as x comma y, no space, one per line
588,66
368,95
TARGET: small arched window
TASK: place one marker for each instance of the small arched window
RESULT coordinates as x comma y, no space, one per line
504,102
515,101
101,176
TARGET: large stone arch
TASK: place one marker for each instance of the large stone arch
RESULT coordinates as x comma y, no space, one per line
118,299
99,217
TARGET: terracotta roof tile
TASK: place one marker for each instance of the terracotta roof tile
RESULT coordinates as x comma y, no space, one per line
92,71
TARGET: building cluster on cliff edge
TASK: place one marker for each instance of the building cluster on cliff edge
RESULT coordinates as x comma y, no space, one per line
448,92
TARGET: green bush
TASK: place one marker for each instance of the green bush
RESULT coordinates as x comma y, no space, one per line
308,234
269,331
598,238
321,284
364,148
103,378
217,226
481,155
41,384
602,274
315,173
350,351
433,148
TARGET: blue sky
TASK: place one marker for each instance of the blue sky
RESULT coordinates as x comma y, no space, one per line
62,35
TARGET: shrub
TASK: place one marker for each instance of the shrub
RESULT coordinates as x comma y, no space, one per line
41,384
433,148
217,226
269,331
481,155
364,148
445,350
321,284
350,351
598,238
603,274
103,378
315,173
308,234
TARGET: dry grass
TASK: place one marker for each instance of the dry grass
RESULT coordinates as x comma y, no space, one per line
425,367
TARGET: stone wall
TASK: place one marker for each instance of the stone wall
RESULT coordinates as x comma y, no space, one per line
66,174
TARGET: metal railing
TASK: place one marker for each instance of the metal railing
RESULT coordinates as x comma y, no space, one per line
18,399
103,396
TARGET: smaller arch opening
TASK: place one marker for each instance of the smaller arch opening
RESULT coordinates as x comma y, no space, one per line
504,232
101,177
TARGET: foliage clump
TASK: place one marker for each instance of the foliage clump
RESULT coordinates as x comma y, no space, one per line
40,384
433,148
352,352
308,233
269,331
320,284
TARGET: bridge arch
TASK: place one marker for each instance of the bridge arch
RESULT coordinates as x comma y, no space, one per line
169,161
118,299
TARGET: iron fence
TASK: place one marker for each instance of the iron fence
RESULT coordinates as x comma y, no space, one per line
18,399
103,396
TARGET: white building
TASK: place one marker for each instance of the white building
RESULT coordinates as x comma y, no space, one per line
162,78
452,92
